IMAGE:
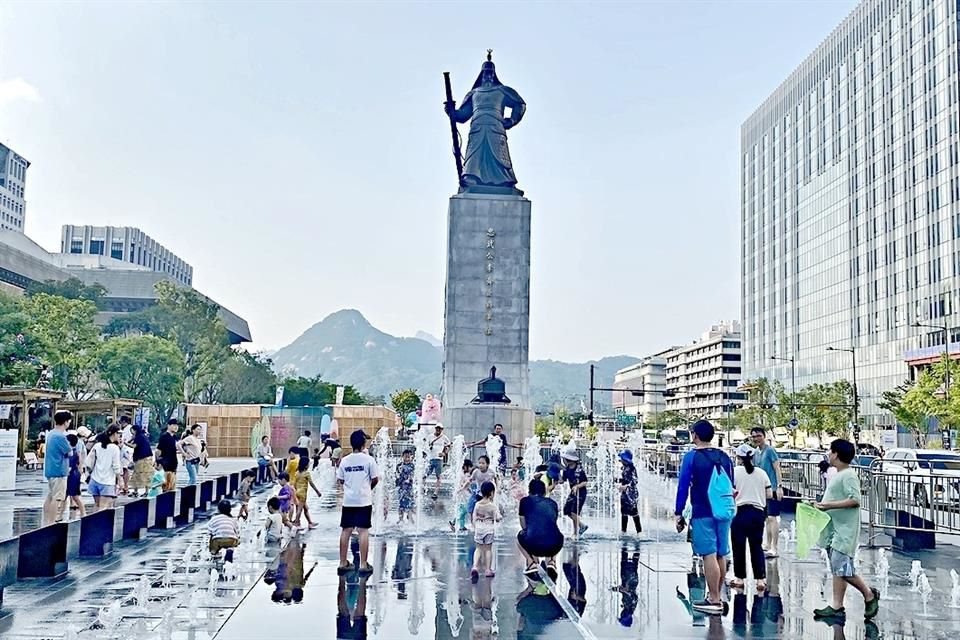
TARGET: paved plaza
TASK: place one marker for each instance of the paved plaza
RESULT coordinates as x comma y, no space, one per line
610,587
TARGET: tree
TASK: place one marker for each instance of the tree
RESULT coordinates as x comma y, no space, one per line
767,406
668,420
19,350
404,401
908,415
71,289
314,392
68,340
246,378
826,409
192,322
146,368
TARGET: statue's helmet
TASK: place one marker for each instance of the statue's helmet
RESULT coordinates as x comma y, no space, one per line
488,69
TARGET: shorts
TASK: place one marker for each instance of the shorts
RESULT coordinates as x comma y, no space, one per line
540,548
216,544
435,468
102,490
841,565
349,628
773,507
57,488
356,517
336,453
483,538
573,505
710,536
263,462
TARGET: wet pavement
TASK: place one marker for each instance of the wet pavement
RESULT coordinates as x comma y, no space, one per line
610,586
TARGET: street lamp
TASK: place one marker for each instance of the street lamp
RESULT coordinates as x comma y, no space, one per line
793,386
856,396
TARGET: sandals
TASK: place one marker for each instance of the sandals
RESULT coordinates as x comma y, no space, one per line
761,585
532,571
552,571
474,576
736,583
343,568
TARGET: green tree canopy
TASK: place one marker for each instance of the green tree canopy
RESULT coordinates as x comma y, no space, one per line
909,414
247,378
19,351
314,392
147,368
68,340
71,289
404,401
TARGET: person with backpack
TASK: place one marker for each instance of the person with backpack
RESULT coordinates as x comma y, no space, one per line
706,477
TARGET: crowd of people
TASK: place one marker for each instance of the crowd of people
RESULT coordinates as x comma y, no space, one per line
740,506
118,461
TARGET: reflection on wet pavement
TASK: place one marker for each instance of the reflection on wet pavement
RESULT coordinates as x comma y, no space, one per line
609,586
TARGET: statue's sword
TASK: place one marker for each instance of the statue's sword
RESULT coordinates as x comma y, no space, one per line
450,105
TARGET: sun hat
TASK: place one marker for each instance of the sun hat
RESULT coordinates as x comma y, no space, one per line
570,453
745,451
83,432
627,456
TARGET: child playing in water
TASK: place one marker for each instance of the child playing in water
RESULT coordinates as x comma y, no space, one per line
483,473
224,530
303,482
246,483
485,516
629,495
405,498
462,496
287,496
574,474
517,490
273,525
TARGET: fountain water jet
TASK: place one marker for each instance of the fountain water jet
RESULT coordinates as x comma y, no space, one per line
883,574
954,589
916,570
925,591
380,498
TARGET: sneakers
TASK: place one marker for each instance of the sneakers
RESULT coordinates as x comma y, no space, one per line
830,612
474,576
710,608
873,607
583,529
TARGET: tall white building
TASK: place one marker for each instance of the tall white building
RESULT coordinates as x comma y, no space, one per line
702,377
850,203
126,244
648,375
13,177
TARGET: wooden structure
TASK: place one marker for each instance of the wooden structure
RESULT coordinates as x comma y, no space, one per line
88,412
21,398
369,418
229,427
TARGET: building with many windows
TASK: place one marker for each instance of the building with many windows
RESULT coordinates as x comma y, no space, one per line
850,204
648,376
126,244
13,178
702,377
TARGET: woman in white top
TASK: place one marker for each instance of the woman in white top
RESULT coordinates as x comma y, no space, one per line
103,461
751,489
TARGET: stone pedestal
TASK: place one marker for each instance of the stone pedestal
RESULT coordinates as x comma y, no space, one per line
487,304
476,422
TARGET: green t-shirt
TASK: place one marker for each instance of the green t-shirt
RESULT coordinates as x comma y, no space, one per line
843,532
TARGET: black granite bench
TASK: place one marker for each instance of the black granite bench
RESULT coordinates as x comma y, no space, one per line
920,534
188,504
205,496
223,487
96,533
9,559
165,508
137,515
42,553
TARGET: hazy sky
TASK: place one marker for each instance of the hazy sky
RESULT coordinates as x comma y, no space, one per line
297,154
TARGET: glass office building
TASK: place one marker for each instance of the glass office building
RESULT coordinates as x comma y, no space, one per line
850,204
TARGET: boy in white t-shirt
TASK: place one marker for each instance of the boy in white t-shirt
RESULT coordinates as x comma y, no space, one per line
358,475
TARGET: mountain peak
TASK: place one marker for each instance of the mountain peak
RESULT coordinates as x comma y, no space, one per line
429,337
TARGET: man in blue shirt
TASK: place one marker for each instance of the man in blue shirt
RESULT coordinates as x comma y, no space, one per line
56,467
767,459
711,537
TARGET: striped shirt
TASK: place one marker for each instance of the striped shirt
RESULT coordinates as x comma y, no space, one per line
221,526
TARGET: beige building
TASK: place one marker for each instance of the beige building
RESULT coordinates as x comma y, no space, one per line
648,375
703,376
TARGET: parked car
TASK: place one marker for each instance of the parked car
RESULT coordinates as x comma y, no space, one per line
926,468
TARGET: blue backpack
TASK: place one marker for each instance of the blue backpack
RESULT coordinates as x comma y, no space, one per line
720,492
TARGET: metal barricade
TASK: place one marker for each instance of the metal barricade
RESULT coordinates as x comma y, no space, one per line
892,501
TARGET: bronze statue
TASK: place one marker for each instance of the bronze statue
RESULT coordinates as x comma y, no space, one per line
487,167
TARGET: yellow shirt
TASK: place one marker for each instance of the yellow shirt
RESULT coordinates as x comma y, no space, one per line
292,466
